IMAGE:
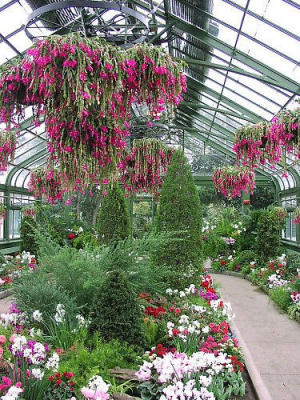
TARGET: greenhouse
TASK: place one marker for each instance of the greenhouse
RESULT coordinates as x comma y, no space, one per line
149,199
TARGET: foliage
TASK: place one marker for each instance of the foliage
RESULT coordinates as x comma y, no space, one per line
77,274
179,212
27,233
268,235
244,258
113,219
116,311
281,297
98,357
142,217
247,240
37,292
262,197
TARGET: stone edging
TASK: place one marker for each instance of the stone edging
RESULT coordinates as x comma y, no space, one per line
258,384
6,293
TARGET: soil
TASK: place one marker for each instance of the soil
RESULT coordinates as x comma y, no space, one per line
250,391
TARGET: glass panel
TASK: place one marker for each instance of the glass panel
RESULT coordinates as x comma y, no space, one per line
14,224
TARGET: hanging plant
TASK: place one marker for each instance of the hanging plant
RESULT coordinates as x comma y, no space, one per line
281,214
29,211
142,169
8,143
296,219
286,125
2,211
88,88
255,144
46,183
231,181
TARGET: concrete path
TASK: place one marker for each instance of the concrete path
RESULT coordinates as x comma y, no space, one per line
5,303
269,339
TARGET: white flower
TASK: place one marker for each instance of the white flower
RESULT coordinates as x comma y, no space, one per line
169,291
53,362
37,373
205,329
37,316
1,281
60,313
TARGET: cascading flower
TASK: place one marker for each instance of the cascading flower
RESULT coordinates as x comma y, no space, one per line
296,219
46,183
286,126
8,143
88,87
142,169
231,181
256,143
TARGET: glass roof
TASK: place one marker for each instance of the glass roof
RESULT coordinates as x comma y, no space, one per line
243,60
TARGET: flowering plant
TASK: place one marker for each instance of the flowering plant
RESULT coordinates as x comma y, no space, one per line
96,82
8,143
14,267
46,183
97,389
286,127
61,387
142,168
256,143
296,219
281,213
29,211
231,181
2,210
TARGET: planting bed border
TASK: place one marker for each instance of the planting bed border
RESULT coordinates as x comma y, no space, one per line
6,293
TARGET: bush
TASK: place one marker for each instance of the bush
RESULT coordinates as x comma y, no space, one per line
247,239
98,358
281,296
179,212
27,232
244,258
113,219
116,311
268,236
36,292
76,272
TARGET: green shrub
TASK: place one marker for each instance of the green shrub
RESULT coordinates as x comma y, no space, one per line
113,220
179,212
281,296
268,236
78,273
247,239
116,311
36,292
244,258
292,264
98,358
86,239
27,233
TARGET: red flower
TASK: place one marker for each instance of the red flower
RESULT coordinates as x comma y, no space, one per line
71,236
58,382
246,202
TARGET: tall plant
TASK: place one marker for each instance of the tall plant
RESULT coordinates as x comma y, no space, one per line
27,233
113,220
268,235
179,213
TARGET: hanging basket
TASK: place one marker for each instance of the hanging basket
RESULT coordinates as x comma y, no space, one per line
231,181
142,169
8,144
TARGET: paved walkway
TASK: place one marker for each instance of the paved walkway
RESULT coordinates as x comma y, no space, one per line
5,303
269,339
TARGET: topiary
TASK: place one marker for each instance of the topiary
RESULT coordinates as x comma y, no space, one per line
116,311
268,236
27,233
113,221
179,213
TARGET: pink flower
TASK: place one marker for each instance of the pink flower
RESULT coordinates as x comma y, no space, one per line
109,67
2,339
